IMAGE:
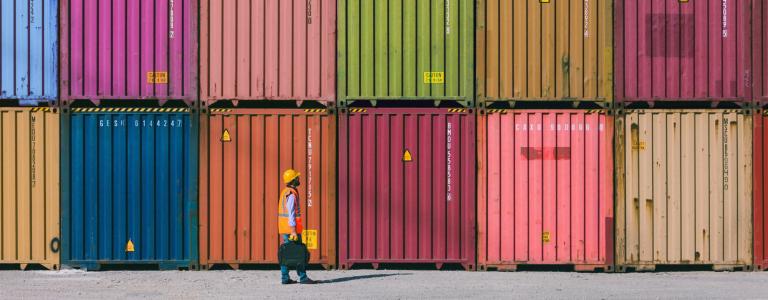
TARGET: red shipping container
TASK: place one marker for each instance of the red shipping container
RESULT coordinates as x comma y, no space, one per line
128,50
760,49
545,189
670,50
760,208
268,50
407,186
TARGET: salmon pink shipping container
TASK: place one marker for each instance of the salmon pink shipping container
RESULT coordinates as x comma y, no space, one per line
545,189
29,187
760,193
671,50
407,186
268,50
243,155
684,189
129,50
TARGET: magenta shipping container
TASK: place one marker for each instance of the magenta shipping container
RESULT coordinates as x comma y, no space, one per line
267,50
128,50
671,50
545,189
406,186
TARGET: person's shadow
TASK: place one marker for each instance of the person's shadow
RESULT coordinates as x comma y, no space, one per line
360,277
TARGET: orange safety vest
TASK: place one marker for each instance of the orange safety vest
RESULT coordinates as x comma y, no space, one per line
282,212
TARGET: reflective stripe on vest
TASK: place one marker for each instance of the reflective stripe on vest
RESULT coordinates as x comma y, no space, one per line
283,216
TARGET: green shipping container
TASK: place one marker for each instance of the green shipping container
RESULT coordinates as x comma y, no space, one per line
406,50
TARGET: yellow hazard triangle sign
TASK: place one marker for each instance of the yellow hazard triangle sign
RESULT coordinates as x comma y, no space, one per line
225,136
407,155
129,246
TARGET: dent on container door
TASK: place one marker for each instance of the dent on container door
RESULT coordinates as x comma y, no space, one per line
684,194
129,187
29,187
243,155
29,52
407,186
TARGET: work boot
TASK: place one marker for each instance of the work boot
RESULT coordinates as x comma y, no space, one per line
289,281
308,281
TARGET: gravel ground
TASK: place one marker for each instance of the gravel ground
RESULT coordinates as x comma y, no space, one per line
385,284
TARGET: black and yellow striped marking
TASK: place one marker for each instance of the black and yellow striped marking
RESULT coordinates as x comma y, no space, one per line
595,111
457,110
221,109
496,111
315,110
358,110
126,109
41,109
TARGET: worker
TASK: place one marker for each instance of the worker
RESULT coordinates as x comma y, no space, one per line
289,222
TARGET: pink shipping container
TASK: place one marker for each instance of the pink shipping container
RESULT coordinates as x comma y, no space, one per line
128,50
268,50
760,49
545,189
407,186
671,50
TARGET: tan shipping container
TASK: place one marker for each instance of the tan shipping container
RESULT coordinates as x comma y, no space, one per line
29,193
684,192
560,50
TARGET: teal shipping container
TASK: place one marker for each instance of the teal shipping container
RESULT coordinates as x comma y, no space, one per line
129,188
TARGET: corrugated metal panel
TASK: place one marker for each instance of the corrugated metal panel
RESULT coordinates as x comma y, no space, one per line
406,50
274,50
760,49
29,50
29,187
672,50
129,178
684,193
760,195
560,50
129,50
545,188
407,186
241,179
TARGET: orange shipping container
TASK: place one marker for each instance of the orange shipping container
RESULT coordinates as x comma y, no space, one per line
554,51
684,189
29,193
243,153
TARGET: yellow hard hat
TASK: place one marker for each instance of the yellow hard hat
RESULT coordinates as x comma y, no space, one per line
289,175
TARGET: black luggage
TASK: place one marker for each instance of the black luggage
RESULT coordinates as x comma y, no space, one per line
293,253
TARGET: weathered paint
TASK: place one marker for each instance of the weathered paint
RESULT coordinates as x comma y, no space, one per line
668,50
684,193
760,193
29,187
241,180
122,49
389,49
29,50
268,50
407,186
129,177
760,50
556,51
545,188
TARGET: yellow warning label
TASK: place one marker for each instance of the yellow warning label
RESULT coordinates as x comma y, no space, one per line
545,236
309,238
434,77
157,77
407,155
544,1
638,146
225,136
129,246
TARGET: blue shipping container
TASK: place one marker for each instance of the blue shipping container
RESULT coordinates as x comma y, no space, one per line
29,51
129,187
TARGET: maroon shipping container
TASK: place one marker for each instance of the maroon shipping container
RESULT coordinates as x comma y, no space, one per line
760,198
760,49
406,186
128,50
671,50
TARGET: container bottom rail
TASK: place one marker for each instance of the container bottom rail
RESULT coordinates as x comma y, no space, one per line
683,267
569,267
173,265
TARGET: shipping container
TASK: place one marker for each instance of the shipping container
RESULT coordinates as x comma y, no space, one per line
29,187
760,193
268,50
406,50
29,51
407,186
559,50
671,50
545,189
129,50
243,155
684,192
129,188
760,50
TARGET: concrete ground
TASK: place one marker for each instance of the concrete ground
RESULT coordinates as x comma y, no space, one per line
382,284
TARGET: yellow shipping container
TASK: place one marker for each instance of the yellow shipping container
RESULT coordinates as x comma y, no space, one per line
29,189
